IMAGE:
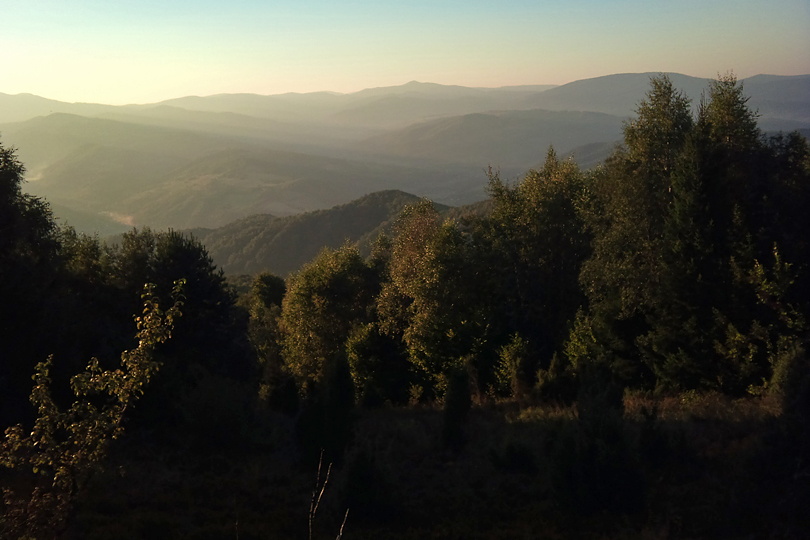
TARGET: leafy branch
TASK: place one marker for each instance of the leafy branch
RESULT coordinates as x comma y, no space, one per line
54,461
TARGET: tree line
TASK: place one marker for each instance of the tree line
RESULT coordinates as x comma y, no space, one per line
681,263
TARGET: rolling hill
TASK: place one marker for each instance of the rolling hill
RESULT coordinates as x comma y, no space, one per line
265,243
616,95
783,102
20,107
506,139
138,174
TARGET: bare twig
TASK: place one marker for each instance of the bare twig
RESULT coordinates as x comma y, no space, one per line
340,533
318,492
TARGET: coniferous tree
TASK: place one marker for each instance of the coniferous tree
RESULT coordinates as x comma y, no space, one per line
625,277
686,243
680,337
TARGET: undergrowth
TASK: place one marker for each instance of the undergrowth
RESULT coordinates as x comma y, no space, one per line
688,466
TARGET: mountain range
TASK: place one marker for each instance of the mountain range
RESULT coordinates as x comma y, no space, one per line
204,162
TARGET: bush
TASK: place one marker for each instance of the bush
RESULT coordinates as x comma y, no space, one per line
511,372
558,382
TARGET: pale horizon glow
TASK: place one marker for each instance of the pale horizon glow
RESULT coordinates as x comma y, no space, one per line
147,51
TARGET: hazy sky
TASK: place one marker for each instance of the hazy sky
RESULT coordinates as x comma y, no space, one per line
145,51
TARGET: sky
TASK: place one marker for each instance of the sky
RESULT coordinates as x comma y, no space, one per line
146,51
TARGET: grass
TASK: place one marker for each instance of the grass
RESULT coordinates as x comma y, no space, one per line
708,467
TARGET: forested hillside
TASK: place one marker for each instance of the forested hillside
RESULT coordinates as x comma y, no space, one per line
617,352
265,243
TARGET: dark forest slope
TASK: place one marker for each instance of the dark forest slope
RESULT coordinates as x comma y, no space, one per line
282,244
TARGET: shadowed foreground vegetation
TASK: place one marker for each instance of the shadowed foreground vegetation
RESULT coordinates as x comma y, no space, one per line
703,467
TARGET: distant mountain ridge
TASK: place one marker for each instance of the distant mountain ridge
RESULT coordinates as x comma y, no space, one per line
206,161
621,94
500,137
21,107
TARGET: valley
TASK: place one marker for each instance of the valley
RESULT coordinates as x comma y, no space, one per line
205,162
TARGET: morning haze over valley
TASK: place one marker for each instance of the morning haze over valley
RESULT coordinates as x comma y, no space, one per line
208,163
